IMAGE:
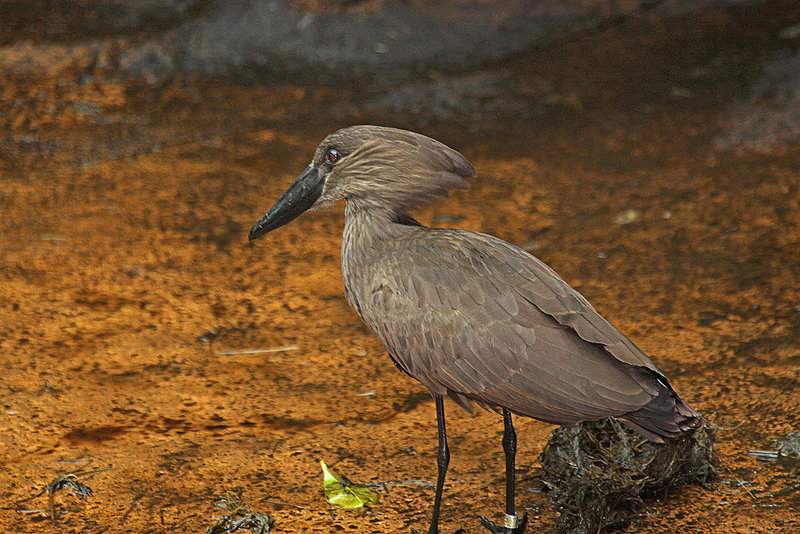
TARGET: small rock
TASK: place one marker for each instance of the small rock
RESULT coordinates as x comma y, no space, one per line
208,336
627,216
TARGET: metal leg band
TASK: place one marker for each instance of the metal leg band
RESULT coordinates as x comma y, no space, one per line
511,521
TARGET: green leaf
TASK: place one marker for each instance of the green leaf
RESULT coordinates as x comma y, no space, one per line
341,492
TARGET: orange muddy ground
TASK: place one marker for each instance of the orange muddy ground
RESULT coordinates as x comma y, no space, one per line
124,210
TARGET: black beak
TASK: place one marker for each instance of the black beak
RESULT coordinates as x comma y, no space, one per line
300,196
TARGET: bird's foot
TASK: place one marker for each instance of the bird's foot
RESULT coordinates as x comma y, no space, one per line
512,524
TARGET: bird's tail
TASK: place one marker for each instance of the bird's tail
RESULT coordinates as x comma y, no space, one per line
666,416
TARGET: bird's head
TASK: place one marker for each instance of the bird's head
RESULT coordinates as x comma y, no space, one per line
374,168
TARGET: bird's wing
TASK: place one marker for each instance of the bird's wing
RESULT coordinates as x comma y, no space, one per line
553,296
470,314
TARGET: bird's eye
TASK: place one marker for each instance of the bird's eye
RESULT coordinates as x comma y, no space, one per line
333,155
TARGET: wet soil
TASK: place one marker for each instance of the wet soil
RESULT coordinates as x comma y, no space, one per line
127,279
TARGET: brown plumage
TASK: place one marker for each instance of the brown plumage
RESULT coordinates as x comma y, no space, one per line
470,316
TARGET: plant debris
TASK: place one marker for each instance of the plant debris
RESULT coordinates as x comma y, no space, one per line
344,493
70,481
785,447
597,473
789,445
239,517
786,453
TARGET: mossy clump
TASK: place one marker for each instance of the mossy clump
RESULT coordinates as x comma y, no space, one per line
597,473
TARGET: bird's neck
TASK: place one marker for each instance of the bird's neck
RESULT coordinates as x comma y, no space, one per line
373,223
369,234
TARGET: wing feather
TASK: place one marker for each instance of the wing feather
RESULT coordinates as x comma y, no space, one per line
473,317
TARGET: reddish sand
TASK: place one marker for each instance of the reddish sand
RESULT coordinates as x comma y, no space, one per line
124,211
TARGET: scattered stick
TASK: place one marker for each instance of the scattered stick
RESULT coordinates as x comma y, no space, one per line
257,351
767,456
70,481
741,483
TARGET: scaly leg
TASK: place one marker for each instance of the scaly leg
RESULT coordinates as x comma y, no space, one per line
442,460
512,523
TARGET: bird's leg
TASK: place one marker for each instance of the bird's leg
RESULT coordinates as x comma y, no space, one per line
512,523
442,460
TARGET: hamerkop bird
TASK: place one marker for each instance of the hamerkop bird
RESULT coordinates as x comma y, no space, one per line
470,316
